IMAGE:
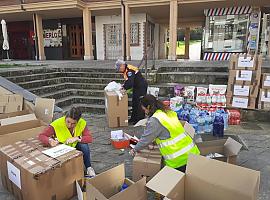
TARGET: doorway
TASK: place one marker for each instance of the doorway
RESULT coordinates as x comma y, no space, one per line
75,33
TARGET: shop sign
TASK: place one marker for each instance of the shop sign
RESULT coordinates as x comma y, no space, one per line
52,37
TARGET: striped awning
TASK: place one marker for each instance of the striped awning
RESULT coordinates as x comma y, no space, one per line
228,11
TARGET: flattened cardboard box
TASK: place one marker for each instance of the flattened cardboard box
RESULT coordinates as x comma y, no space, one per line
146,163
241,102
30,175
247,62
207,179
244,77
107,185
116,109
227,149
264,99
266,81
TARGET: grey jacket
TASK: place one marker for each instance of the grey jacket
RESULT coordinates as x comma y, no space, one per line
154,129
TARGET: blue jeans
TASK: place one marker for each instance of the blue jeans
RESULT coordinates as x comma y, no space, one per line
84,148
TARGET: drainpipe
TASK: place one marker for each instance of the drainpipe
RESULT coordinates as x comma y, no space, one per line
124,34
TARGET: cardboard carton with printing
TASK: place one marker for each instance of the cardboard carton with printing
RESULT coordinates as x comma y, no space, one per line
116,109
107,185
247,62
244,77
241,102
264,99
243,90
29,174
224,149
10,103
146,163
207,179
265,81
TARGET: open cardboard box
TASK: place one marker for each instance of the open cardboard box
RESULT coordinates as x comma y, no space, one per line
146,163
207,179
227,148
107,185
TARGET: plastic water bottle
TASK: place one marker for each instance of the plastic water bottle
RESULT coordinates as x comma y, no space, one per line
123,187
218,125
208,127
201,123
226,119
193,122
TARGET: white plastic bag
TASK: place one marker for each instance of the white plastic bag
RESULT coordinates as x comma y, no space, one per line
153,91
114,87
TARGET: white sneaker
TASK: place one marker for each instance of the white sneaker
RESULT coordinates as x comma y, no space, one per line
90,172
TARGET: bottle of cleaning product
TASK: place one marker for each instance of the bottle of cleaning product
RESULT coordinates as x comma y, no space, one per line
218,125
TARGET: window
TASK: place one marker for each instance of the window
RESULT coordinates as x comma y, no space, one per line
226,33
134,34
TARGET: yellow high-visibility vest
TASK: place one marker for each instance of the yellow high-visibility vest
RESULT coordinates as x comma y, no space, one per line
174,150
62,132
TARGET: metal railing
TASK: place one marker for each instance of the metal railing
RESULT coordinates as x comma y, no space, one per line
148,61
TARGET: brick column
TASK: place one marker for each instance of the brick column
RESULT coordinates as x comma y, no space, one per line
173,30
87,35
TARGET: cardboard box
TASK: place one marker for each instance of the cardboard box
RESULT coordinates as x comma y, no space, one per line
10,103
146,163
247,62
241,102
264,99
207,179
243,90
107,185
30,175
266,80
225,150
15,132
244,77
44,109
14,114
17,119
116,109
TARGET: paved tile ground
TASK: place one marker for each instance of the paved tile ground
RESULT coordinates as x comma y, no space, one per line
255,135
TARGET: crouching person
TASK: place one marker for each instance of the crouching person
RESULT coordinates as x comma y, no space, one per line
164,128
71,130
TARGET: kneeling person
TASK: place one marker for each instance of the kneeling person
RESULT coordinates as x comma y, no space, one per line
72,130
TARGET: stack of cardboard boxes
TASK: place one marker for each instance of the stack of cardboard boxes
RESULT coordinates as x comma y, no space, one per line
244,81
264,96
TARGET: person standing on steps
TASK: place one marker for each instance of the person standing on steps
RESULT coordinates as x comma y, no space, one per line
71,130
135,81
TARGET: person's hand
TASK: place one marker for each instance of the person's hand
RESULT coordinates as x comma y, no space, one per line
53,142
72,140
132,152
151,147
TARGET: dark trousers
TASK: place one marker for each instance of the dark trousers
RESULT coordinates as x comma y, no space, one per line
84,148
137,112
182,168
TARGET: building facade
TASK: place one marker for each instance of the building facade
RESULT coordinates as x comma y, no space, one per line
111,29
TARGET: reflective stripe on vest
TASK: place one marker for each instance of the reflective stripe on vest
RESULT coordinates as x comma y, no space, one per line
179,153
62,132
175,149
135,69
173,141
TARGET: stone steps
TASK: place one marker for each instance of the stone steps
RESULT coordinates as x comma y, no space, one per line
192,77
58,94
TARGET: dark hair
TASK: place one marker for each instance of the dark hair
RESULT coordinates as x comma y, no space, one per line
74,113
150,102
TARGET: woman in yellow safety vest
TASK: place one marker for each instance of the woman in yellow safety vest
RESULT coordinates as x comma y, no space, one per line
165,129
71,130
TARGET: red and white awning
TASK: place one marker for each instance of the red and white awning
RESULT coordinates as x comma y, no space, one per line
228,11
